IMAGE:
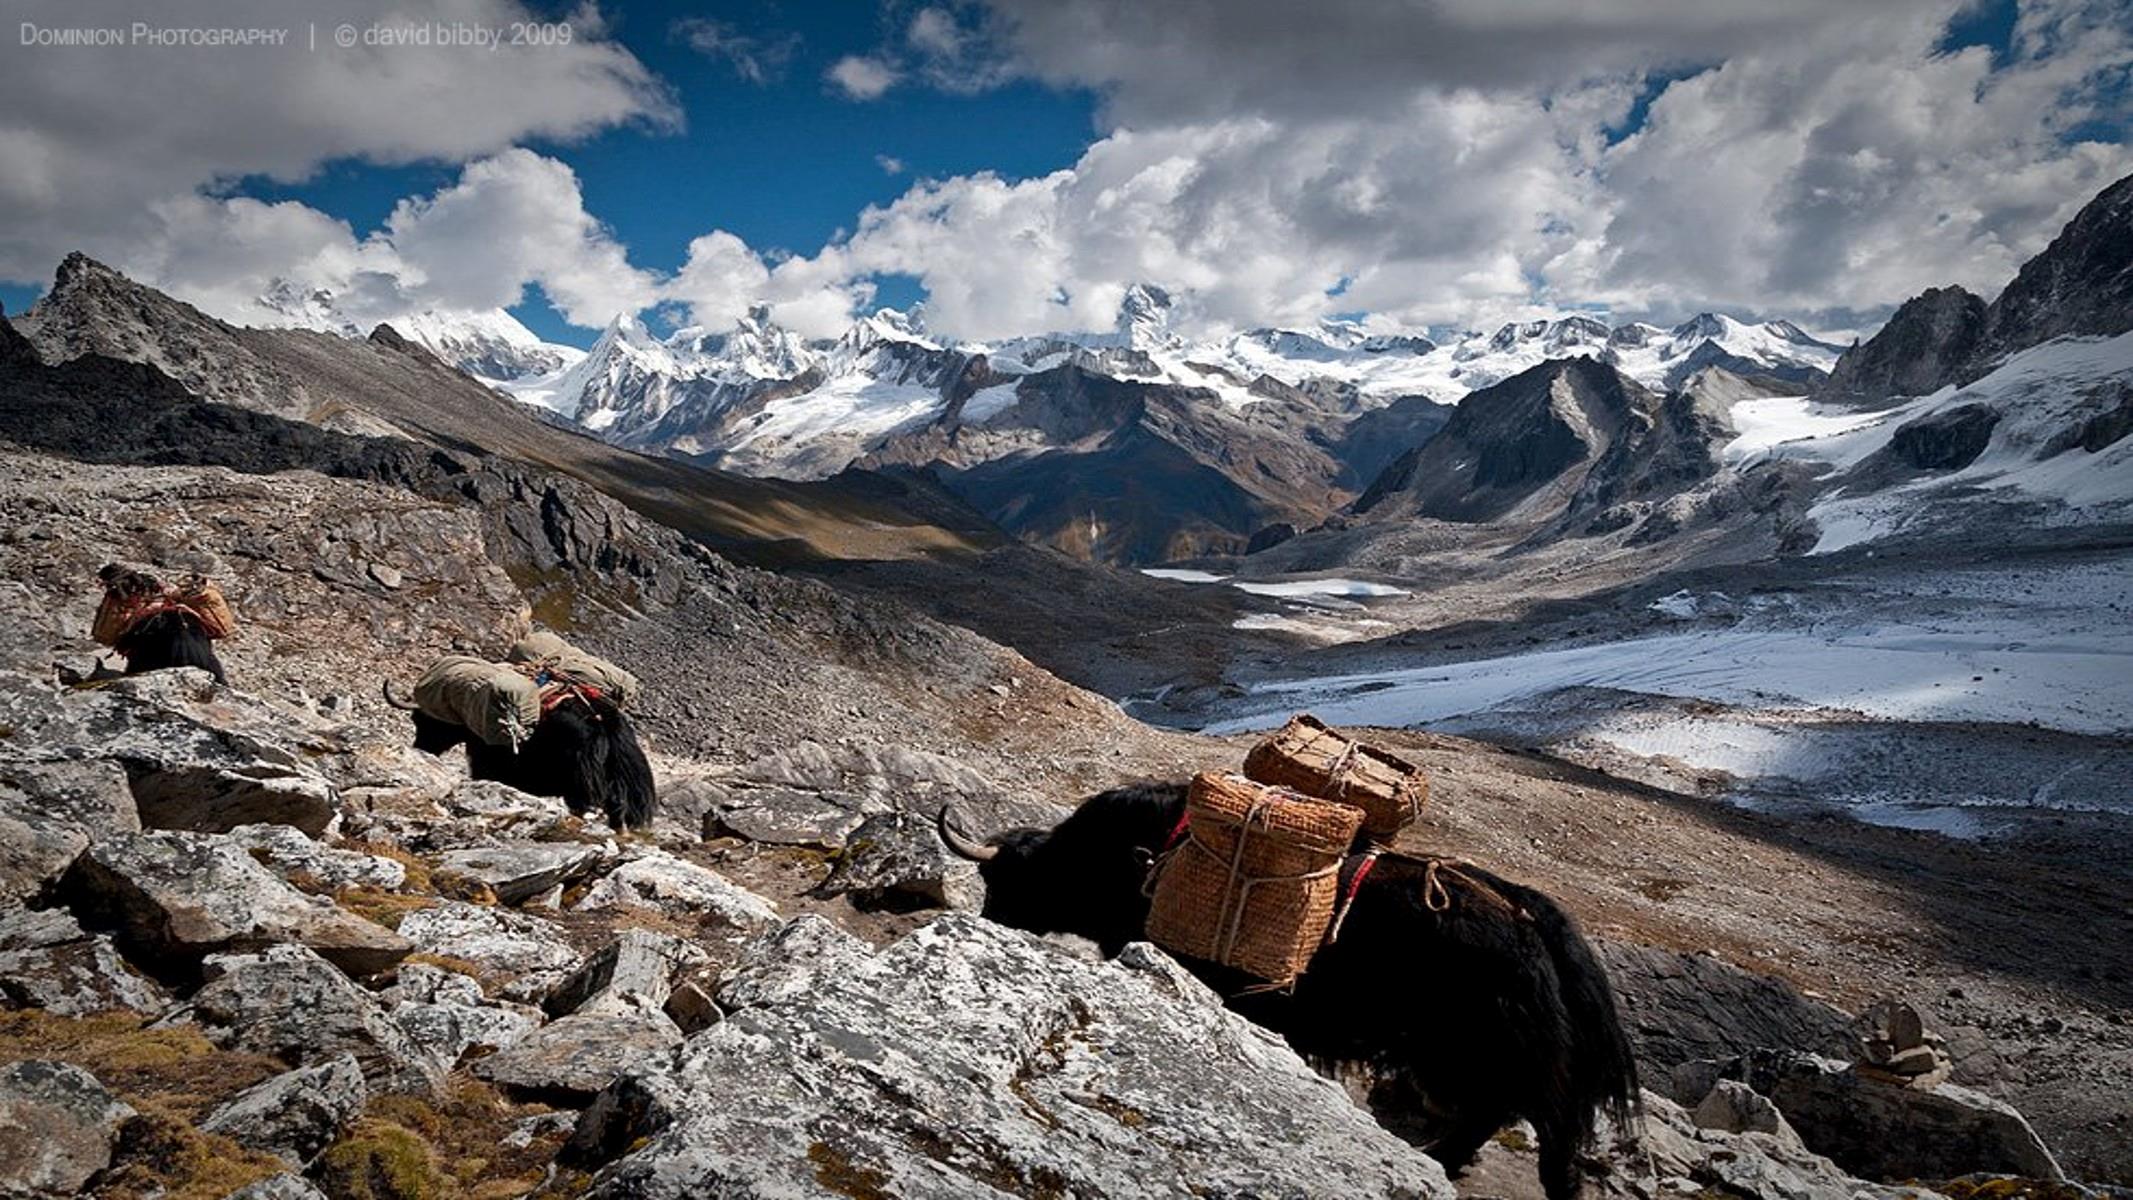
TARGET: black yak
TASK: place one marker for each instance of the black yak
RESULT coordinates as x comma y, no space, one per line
170,638
156,627
582,749
1471,1000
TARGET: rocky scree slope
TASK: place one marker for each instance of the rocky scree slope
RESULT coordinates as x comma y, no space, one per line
340,961
257,941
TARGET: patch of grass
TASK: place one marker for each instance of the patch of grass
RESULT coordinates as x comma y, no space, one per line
383,907
175,1068
449,1146
160,1156
836,1171
454,886
379,1160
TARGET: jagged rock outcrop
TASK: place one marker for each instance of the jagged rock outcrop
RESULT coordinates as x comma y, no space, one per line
967,1058
176,898
1926,343
1884,1130
287,1002
57,1128
48,962
295,1115
2080,284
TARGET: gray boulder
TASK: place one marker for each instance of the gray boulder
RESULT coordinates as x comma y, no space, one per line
517,873
278,1187
183,896
572,1059
517,956
635,970
294,1116
1681,1008
660,881
49,812
49,962
1882,1130
897,860
449,1016
289,853
967,1059
57,1128
198,756
290,1003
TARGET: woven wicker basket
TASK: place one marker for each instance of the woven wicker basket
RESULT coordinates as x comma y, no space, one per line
1254,883
1308,756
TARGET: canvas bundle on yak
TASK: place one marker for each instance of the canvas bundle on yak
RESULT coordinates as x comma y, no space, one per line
547,653
498,703
1308,756
1251,877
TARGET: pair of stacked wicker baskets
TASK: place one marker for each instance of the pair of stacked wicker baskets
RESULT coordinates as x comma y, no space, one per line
1254,880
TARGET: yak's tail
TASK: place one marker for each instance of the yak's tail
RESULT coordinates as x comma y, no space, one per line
607,764
1603,1065
632,795
170,639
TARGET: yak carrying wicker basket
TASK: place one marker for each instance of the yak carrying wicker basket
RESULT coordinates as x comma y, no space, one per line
1309,757
1254,881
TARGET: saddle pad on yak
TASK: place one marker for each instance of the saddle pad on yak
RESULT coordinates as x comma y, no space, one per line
550,652
498,703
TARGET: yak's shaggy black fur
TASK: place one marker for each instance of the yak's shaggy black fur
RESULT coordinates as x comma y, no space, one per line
171,638
1493,1009
583,750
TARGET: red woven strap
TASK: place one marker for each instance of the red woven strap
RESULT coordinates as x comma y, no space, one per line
1355,884
556,693
1177,831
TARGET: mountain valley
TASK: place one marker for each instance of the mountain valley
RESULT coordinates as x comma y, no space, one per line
1797,672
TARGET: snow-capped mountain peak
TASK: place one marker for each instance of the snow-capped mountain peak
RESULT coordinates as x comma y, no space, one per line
1144,318
489,344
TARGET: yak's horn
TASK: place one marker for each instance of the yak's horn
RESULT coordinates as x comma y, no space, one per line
397,702
961,843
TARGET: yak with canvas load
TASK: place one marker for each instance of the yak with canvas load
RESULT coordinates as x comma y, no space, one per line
549,721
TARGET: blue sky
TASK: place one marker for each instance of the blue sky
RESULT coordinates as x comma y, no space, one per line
785,164
1472,168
